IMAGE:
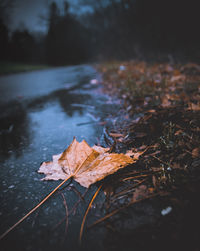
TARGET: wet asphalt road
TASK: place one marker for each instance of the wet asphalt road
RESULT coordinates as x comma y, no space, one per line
40,113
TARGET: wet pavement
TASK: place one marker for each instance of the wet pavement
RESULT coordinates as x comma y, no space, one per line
41,112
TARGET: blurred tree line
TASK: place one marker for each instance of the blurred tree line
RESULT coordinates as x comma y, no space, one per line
66,40
114,29
146,29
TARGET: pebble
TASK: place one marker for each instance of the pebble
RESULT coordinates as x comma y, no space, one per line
122,68
166,211
11,186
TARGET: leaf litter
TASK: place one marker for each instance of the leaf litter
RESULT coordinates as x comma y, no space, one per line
162,103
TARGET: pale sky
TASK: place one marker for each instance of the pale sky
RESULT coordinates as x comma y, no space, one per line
26,13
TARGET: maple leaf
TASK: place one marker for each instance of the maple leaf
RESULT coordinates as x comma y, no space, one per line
86,164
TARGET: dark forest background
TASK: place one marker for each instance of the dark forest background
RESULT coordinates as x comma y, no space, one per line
124,29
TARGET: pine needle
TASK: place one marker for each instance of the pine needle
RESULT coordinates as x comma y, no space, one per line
86,213
136,177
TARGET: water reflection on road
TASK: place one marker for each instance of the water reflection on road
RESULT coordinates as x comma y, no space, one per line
41,112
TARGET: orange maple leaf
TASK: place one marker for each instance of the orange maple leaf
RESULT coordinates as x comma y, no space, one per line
86,164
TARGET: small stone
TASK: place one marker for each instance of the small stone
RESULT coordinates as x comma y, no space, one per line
122,68
166,211
11,186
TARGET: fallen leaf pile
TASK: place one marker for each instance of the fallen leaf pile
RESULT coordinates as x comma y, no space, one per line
86,164
142,85
161,114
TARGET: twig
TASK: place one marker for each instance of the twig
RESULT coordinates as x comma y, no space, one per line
86,213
